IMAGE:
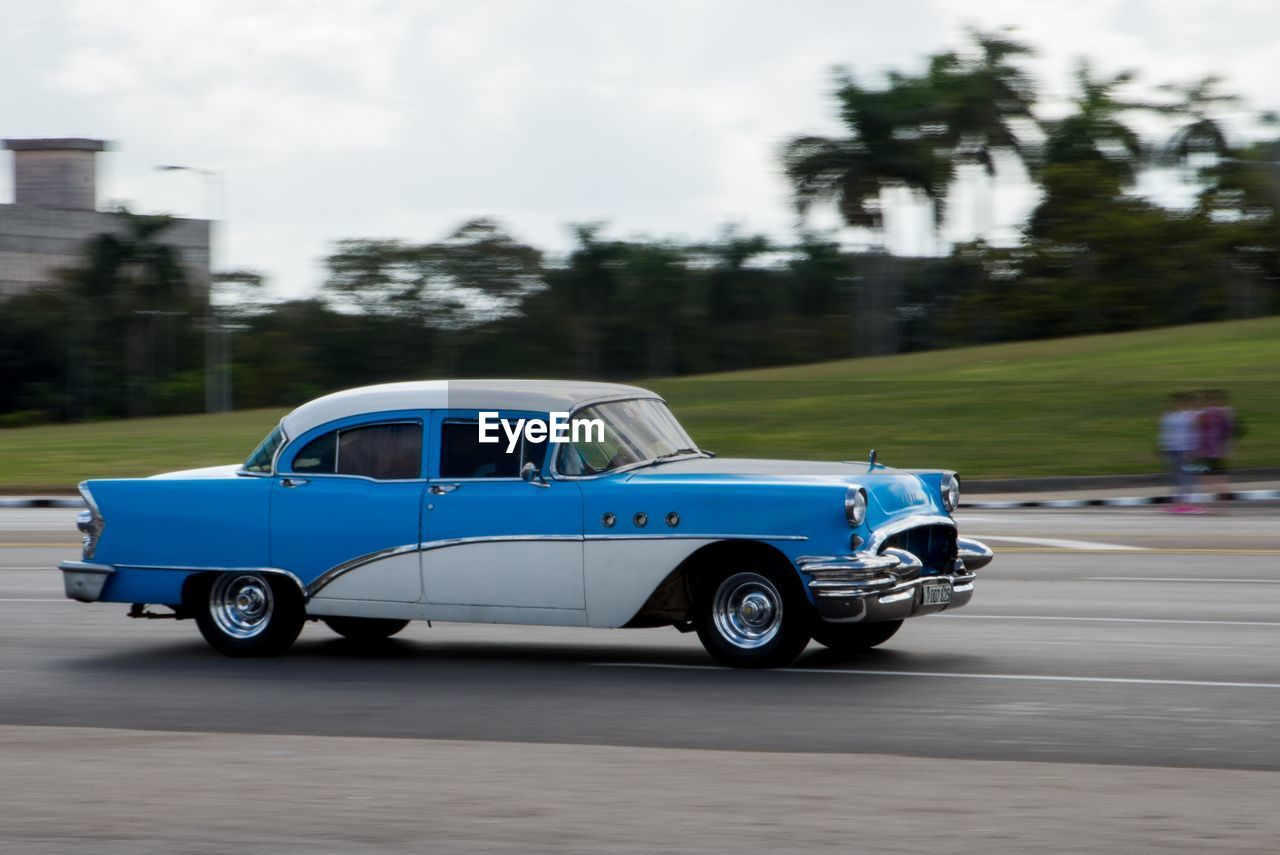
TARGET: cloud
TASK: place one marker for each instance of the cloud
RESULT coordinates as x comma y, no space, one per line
352,118
261,77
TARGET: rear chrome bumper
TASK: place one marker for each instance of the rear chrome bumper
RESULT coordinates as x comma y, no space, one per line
890,585
85,581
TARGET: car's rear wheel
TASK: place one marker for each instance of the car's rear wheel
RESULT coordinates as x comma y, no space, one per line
854,637
751,618
248,614
365,629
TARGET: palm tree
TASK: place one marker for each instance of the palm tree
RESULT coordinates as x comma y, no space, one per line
1091,155
1203,134
1095,134
982,100
893,141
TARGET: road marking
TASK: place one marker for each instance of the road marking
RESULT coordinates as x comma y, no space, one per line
66,544
1176,579
961,675
34,600
1112,619
1059,543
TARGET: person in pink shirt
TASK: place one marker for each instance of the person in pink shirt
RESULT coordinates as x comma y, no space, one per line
1215,428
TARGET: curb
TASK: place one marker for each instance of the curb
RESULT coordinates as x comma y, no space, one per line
1121,501
42,503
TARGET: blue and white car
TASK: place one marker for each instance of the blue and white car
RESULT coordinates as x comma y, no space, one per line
372,507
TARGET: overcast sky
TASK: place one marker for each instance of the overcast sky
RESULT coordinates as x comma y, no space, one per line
402,119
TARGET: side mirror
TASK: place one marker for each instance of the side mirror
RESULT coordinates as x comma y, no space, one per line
529,475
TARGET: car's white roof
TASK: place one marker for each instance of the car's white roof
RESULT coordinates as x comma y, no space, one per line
539,396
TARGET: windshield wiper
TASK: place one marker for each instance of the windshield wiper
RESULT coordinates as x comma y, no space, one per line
679,452
662,458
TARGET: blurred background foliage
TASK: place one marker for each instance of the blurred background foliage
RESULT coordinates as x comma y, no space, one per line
122,335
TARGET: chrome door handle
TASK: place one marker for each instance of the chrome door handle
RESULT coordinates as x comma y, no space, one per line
441,489
292,482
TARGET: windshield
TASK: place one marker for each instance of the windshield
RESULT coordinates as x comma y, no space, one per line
260,461
634,432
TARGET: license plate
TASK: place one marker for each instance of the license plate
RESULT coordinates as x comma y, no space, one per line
937,595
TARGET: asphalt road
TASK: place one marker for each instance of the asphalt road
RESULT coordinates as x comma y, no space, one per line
1136,649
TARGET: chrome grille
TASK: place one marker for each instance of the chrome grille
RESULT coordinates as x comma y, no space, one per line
934,545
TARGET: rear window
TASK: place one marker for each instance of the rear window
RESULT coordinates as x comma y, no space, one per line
386,452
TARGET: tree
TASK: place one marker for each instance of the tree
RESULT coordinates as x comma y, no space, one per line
477,274
982,99
1095,132
894,140
128,304
1204,134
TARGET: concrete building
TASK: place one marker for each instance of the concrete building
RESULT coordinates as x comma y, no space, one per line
55,211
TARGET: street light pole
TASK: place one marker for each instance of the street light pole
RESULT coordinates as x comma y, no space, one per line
217,373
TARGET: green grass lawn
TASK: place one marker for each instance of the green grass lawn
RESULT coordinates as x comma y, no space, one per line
1061,407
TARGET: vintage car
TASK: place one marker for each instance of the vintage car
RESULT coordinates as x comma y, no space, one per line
372,507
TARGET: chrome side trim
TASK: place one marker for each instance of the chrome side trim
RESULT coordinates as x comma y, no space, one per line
683,536
311,476
889,529
359,561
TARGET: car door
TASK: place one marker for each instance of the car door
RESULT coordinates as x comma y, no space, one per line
346,508
495,545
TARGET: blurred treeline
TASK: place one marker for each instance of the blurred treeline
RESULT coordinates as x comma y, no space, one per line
120,335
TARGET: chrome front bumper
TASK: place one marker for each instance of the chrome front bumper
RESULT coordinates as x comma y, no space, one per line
84,581
890,585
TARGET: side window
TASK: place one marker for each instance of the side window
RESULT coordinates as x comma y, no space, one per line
318,455
384,452
463,455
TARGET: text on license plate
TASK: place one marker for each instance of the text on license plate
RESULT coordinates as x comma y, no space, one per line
937,595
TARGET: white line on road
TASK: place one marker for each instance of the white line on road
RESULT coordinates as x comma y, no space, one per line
1060,543
960,675
1177,579
1111,619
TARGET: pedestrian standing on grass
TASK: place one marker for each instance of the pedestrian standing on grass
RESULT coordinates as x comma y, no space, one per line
1178,440
1215,428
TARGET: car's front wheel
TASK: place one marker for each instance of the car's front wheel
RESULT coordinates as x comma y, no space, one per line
365,629
849,638
752,618
248,614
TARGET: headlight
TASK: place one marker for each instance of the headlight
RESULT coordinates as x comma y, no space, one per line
951,493
855,506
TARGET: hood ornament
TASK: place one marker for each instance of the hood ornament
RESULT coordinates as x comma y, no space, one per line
871,463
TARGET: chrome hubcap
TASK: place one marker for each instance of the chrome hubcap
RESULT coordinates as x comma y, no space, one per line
747,610
241,604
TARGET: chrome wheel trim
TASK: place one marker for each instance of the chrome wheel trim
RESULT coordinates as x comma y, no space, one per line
241,604
747,610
